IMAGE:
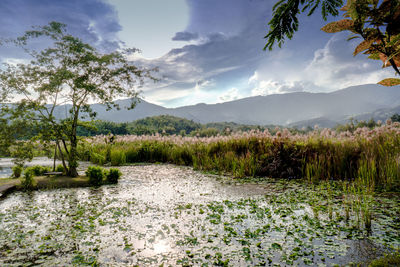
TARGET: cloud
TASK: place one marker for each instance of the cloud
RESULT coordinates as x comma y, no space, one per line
224,59
335,67
230,95
223,55
185,36
269,86
95,21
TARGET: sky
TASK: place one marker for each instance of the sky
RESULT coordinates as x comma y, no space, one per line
207,51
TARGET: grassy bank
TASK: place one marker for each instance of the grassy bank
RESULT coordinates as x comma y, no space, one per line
370,156
49,182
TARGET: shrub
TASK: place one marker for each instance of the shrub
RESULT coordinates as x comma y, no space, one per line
387,260
97,158
117,157
17,171
95,174
27,182
60,168
38,170
113,175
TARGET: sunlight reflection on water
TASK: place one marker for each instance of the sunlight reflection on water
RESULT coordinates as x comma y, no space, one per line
163,214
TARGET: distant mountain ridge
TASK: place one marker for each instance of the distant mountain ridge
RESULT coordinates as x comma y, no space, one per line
280,109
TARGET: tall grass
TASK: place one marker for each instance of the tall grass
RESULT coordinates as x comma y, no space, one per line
369,156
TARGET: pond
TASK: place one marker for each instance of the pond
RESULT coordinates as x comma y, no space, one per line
6,165
165,214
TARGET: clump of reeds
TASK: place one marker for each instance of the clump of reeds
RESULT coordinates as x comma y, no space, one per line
370,155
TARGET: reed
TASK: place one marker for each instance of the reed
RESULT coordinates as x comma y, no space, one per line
370,156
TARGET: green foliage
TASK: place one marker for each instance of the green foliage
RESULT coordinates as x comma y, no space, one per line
368,156
395,118
96,175
27,182
386,261
164,124
117,157
353,125
284,21
99,127
60,168
17,171
113,175
68,71
13,129
205,132
37,170
375,22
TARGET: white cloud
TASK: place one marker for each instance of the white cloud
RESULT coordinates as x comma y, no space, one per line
15,61
231,94
254,78
204,84
335,67
270,86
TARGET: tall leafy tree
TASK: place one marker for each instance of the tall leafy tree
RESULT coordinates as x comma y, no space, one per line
375,22
69,72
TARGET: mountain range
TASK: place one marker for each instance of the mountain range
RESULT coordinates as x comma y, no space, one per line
290,109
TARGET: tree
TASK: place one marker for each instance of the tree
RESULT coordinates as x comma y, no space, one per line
72,73
376,22
395,117
13,129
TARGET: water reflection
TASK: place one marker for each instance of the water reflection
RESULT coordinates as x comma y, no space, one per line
172,215
5,172
6,165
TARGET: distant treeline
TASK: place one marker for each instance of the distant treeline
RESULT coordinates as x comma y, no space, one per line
170,125
165,125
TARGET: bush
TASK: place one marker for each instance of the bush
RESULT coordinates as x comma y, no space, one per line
27,182
387,260
38,170
97,158
113,175
17,171
117,157
60,168
95,174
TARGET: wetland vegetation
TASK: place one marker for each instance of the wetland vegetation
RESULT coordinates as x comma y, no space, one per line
335,201
263,197
164,214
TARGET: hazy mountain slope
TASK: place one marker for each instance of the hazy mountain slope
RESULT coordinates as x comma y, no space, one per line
288,108
283,109
142,110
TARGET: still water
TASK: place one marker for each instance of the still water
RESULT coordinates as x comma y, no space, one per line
6,165
165,214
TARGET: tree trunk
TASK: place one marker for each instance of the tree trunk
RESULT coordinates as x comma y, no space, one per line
55,157
62,158
73,155
72,161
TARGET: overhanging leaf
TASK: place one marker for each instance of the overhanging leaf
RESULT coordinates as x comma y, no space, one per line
363,46
390,82
338,26
374,56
